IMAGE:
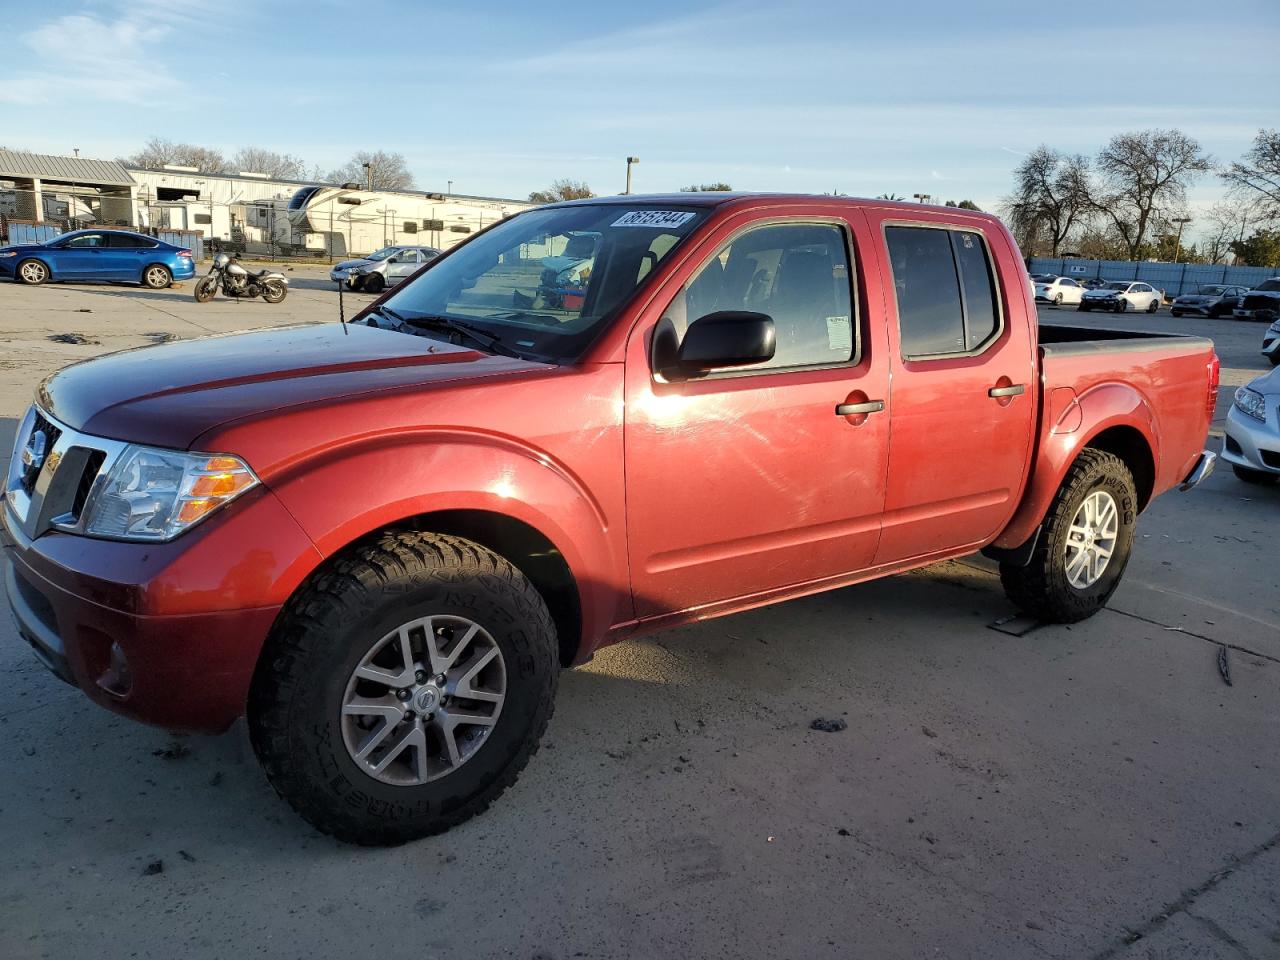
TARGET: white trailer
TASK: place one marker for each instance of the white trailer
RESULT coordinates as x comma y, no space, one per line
354,221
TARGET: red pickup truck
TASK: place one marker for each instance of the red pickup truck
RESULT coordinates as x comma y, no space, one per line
382,541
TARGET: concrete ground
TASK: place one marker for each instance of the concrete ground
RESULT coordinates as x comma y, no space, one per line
1086,791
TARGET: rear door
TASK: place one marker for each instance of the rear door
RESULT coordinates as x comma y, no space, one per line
748,480
125,253
964,386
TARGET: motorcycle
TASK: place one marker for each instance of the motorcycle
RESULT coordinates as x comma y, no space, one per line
235,281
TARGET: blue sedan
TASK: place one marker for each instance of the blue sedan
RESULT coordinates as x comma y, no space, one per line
98,255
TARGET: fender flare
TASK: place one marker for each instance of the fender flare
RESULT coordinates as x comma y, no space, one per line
1108,408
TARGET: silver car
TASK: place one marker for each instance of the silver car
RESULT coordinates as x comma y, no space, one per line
1252,443
1271,344
383,269
1209,300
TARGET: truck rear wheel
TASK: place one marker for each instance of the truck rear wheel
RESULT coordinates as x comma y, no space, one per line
404,688
1084,543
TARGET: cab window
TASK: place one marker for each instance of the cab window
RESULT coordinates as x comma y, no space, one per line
796,273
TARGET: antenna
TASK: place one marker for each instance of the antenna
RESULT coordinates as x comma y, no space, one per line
342,314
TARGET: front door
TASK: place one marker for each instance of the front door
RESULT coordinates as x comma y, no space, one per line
964,384
401,264
81,257
748,480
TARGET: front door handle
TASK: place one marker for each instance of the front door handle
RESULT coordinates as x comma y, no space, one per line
1014,390
854,409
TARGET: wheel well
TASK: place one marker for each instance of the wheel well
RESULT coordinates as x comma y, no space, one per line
530,552
1131,446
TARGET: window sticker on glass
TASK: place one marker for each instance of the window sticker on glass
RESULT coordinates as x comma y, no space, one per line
653,218
840,334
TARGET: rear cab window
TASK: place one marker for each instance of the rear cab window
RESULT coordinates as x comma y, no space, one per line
945,289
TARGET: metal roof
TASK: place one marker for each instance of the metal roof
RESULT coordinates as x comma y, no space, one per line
64,169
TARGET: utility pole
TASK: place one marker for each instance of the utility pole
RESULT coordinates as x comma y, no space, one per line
1177,244
922,197
368,176
630,161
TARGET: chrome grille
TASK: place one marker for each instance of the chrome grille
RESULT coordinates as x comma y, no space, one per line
48,487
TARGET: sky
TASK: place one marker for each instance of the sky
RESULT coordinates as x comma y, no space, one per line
942,97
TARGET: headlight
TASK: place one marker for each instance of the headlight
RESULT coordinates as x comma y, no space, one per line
8,253
1250,402
152,494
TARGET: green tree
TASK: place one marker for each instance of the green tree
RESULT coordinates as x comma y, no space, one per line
719,187
890,196
1261,249
964,205
562,190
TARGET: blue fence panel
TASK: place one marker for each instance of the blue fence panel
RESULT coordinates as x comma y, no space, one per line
1173,278
180,238
32,232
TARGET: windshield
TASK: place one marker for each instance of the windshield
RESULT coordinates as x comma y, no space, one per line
383,253
1116,286
1211,290
547,281
1269,285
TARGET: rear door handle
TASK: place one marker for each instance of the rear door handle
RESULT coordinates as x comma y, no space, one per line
1014,391
853,409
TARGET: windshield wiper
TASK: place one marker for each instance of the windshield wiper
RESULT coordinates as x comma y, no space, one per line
436,322
386,311
524,314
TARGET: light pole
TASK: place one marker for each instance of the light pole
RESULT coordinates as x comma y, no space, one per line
1177,244
922,197
450,190
630,161
368,175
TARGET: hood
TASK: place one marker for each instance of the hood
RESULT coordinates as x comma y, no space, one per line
169,395
348,264
23,247
1196,297
1268,384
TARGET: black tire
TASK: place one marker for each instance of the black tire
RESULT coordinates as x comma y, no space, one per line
206,287
31,272
1057,300
1042,589
1178,313
156,276
332,622
374,283
1122,305
1153,306
1275,360
273,291
1258,477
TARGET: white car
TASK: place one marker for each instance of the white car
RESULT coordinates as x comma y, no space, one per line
1058,290
1122,295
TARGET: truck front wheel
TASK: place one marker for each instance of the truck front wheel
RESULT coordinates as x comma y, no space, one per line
1084,543
404,688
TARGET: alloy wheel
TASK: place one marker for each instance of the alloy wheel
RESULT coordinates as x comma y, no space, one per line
423,700
33,271
1091,539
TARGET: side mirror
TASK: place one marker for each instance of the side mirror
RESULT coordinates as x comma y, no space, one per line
727,338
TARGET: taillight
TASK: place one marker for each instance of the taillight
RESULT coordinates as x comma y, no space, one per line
185,253
1215,375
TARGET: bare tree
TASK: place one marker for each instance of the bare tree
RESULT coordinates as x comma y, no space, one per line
376,170
1258,172
157,152
1225,222
281,166
1051,194
562,190
1144,180
719,187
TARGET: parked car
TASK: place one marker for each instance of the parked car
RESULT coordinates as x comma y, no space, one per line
1271,343
1209,300
1252,441
1059,290
197,556
1260,303
1122,295
382,269
98,255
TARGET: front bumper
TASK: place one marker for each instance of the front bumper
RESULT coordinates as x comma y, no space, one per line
8,267
1271,343
1249,443
1200,472
187,618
